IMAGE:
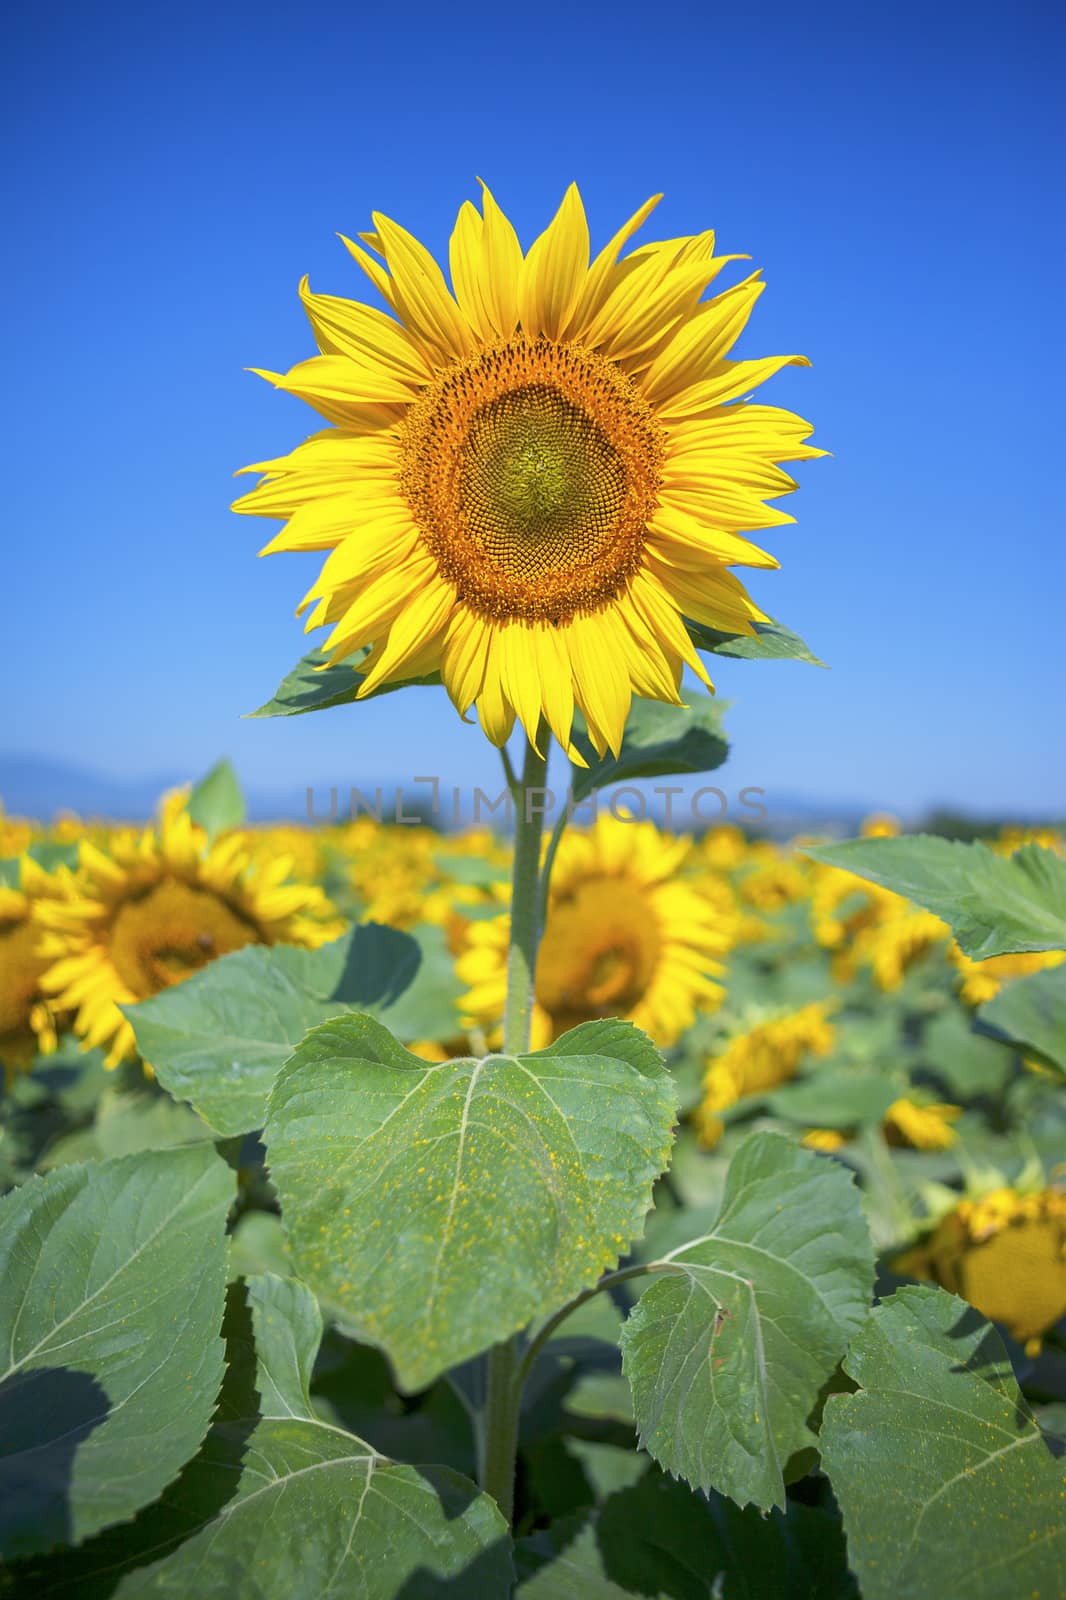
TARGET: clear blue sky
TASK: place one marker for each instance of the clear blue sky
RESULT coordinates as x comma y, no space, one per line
896,173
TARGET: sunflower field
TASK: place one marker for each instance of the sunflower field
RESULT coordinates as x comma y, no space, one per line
575,1207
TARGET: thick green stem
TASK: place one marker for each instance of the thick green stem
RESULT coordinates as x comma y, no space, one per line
504,1398
525,903
503,1406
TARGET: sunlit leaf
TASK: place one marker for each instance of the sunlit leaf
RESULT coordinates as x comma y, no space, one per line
944,1480
218,1039
771,641
440,1207
993,904
114,1276
727,1349
216,802
659,741
313,685
1031,1012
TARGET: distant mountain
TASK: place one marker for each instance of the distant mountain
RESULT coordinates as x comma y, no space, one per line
33,786
37,787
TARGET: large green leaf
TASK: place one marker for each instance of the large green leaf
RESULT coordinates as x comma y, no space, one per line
945,1482
313,685
218,1039
728,1349
659,741
994,904
658,1538
114,1279
771,641
1032,1012
279,1505
216,802
440,1207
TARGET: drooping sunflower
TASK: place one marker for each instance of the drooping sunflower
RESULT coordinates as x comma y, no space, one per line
625,936
1004,1252
156,907
533,476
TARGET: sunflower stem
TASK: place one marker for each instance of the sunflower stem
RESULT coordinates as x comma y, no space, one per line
503,1402
525,903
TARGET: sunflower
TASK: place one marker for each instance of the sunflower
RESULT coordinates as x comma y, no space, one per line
533,477
1005,1253
759,1058
623,937
918,1125
158,906
27,1020
865,924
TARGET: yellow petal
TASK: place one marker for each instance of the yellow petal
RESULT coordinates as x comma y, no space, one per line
367,336
554,270
416,632
464,658
421,296
734,379
699,345
674,524
712,595
600,275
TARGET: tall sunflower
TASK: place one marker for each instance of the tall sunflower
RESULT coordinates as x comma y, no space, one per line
157,906
624,936
534,476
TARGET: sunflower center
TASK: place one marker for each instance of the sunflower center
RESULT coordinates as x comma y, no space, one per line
531,470
171,931
599,953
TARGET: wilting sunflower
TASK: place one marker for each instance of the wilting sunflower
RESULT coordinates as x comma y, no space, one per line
532,477
158,906
27,1020
624,937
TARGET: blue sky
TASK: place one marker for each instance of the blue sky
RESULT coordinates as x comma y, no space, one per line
892,171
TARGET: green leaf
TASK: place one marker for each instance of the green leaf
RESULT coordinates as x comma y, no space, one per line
830,1099
313,685
50,854
279,1505
216,802
1031,1012
288,1331
968,1063
659,741
659,1538
728,1349
439,1207
994,904
218,1039
257,1244
771,641
114,1281
127,1122
943,1478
